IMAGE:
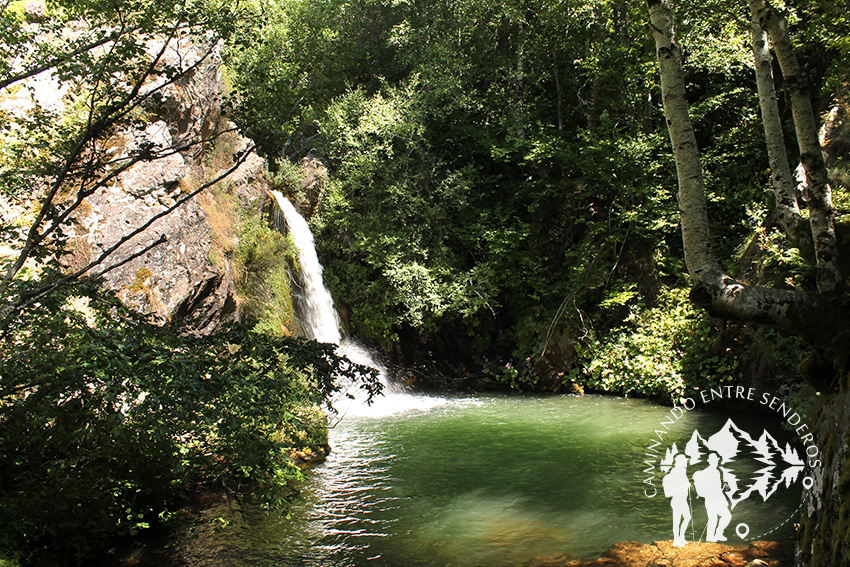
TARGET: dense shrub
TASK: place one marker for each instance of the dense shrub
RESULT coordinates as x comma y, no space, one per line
107,421
662,352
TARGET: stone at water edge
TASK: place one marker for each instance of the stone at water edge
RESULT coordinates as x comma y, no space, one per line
312,455
665,554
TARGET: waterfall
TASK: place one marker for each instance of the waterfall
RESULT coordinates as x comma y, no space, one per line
319,317
320,321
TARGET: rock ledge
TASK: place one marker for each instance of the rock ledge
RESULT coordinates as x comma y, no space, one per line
664,554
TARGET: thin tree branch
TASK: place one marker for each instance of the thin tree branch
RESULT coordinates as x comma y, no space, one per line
29,297
99,76
64,58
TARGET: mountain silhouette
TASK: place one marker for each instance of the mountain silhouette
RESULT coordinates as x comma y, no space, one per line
733,444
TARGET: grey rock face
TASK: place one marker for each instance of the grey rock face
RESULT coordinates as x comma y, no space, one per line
155,178
826,503
171,277
176,278
311,187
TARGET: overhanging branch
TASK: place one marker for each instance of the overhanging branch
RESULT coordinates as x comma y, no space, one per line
29,297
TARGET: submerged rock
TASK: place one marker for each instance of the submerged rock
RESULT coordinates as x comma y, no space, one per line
665,554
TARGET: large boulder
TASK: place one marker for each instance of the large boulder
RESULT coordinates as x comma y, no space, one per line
170,278
312,176
178,265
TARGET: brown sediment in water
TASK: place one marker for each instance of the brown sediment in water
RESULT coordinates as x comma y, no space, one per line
665,554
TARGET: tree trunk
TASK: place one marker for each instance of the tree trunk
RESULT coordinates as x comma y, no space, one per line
559,89
596,86
804,314
811,156
519,81
787,211
694,216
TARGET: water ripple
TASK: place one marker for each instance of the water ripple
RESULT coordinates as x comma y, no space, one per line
488,480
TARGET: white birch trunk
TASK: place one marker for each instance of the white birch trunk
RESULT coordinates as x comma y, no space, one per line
811,156
694,215
787,210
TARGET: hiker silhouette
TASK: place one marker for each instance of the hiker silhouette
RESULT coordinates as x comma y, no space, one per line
709,484
676,487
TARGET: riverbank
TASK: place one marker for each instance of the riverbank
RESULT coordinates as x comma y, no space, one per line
664,554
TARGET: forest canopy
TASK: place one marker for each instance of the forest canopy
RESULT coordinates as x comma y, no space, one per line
501,185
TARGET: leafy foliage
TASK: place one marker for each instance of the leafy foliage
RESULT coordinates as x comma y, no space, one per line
664,352
263,262
107,420
492,165
504,171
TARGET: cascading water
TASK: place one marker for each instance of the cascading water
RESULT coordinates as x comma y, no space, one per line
319,317
321,322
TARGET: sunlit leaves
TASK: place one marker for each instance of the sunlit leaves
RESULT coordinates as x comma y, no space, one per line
106,421
664,351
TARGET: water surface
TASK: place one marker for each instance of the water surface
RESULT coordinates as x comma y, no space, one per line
491,480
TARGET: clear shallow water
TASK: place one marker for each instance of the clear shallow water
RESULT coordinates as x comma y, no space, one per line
489,480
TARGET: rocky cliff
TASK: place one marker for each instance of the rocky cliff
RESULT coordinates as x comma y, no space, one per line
824,532
180,266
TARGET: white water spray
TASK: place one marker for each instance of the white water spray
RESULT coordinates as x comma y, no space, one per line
321,322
